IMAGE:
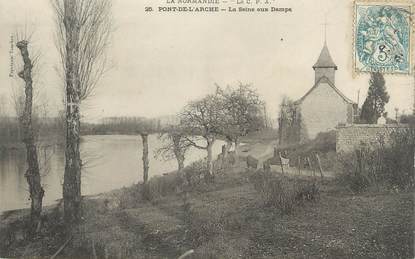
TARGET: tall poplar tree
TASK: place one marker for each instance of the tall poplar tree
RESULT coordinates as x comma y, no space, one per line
377,98
83,30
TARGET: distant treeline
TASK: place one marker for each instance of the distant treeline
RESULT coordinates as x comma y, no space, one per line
45,129
126,126
52,129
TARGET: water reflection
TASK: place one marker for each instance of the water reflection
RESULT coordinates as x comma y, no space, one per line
111,162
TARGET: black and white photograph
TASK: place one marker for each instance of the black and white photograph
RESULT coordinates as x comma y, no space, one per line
221,129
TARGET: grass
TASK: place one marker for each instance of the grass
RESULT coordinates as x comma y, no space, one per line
226,219
388,166
324,145
282,192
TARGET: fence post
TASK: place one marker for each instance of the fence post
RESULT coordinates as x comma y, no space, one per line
311,166
319,165
282,166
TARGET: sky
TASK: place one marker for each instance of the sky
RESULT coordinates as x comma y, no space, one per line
161,61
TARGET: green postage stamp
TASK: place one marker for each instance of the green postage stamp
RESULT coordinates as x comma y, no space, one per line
383,36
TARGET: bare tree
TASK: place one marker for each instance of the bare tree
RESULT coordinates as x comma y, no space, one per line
175,145
83,30
242,109
32,173
204,118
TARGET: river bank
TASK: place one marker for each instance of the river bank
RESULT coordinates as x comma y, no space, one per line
111,162
228,220
224,219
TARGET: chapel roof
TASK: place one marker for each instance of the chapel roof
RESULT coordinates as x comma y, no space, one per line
324,79
325,60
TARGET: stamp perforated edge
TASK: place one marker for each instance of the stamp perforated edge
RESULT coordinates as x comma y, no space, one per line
411,4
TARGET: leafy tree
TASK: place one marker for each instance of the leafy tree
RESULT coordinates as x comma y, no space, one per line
289,122
377,98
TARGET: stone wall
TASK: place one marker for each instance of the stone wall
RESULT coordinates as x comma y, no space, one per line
349,137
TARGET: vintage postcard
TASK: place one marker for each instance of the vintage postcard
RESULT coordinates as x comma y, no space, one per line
207,129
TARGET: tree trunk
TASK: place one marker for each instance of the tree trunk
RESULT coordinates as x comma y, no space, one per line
35,187
180,174
180,164
227,147
210,142
144,137
178,152
236,147
280,130
32,174
72,175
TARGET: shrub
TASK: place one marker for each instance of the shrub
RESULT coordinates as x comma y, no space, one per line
357,169
398,160
165,185
130,197
307,192
282,192
389,165
324,144
160,186
195,172
202,227
201,231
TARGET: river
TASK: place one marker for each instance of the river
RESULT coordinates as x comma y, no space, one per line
111,162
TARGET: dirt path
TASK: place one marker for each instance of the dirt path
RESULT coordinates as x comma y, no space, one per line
155,230
303,173
265,151
261,151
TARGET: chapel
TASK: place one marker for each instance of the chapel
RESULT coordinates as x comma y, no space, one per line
324,106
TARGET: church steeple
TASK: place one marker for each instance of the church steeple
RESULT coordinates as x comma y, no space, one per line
325,65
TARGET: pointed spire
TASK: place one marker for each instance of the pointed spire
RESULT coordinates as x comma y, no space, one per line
325,60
